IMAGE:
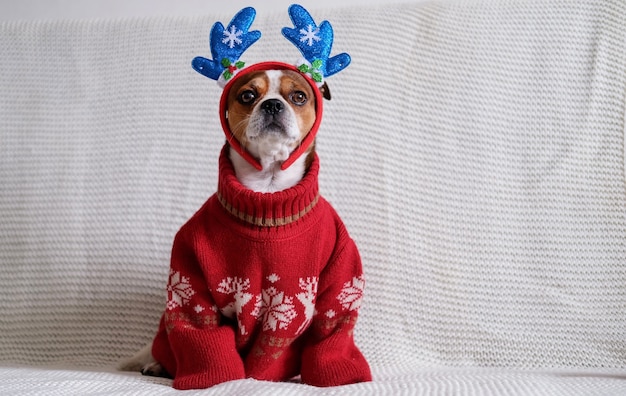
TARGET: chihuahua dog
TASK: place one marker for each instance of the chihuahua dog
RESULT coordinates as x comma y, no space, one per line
265,281
269,113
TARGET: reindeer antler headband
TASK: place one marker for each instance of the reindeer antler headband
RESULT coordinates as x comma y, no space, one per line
230,42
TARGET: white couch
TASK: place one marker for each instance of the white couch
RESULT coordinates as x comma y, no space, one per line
474,149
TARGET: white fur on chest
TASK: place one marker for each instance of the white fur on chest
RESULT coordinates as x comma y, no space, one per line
271,178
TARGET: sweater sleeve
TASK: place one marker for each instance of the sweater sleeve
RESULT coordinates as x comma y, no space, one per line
191,344
330,356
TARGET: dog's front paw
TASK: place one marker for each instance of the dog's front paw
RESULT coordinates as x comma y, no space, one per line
154,369
143,362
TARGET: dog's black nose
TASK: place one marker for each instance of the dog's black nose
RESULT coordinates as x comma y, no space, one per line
273,106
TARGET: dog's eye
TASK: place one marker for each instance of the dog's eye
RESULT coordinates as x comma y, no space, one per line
299,98
247,97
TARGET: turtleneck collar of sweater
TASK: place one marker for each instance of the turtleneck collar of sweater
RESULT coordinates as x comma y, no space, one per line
266,209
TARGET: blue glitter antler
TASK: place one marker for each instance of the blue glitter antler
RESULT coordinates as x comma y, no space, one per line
227,45
315,43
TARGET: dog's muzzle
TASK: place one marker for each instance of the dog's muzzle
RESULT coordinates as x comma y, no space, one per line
272,106
274,117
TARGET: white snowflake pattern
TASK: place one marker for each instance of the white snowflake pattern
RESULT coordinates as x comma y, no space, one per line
310,35
274,309
198,308
179,290
330,314
232,36
352,293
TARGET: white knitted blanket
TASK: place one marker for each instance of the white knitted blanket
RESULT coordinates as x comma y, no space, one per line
474,149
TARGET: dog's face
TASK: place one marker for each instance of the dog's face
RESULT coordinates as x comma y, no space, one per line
270,112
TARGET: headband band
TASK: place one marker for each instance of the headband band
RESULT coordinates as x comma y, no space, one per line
308,139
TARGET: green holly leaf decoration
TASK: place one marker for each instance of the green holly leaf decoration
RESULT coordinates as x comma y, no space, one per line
317,77
317,64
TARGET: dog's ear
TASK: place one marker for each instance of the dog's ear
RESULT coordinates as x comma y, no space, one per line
325,91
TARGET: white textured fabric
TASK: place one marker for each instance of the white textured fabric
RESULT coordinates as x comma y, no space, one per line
475,151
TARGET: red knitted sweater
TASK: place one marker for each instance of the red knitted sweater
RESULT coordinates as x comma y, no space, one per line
266,286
